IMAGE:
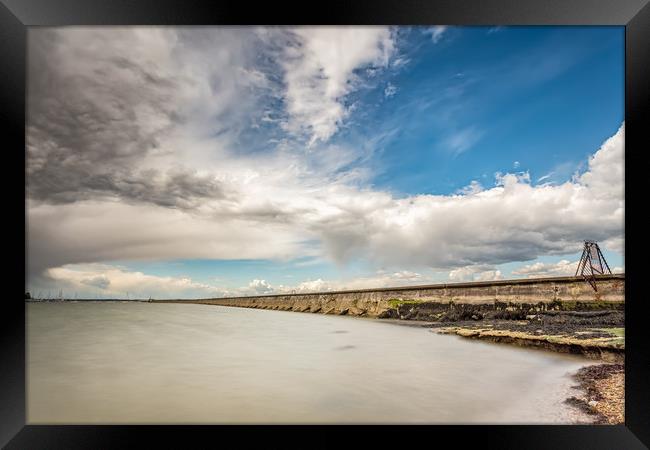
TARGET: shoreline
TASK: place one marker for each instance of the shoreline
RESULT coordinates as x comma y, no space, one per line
603,393
601,386
597,335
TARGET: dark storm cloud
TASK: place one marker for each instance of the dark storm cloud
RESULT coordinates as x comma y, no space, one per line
177,188
92,121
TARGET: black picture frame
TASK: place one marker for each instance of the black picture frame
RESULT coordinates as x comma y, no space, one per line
17,15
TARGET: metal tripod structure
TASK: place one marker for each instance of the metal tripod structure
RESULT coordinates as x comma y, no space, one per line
592,263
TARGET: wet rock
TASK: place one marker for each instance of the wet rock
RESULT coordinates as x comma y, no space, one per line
510,314
461,313
388,314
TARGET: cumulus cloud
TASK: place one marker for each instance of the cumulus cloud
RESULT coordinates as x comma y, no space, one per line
379,280
513,221
106,281
110,281
563,267
605,174
475,273
473,188
320,64
318,285
134,153
260,287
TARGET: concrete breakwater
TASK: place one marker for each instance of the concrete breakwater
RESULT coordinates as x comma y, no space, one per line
454,301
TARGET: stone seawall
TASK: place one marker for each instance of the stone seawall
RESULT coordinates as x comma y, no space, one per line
433,301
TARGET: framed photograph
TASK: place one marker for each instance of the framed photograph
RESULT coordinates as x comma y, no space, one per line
244,222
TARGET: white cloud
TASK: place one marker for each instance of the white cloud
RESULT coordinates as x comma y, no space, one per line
605,173
436,32
390,90
109,281
561,268
319,73
475,273
473,188
104,231
463,140
285,211
540,269
400,61
117,282
614,243
379,280
488,275
260,287
309,286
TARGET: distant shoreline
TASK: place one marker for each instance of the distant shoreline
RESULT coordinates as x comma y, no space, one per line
89,300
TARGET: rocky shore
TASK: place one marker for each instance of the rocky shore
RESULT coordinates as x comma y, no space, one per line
599,335
603,393
594,334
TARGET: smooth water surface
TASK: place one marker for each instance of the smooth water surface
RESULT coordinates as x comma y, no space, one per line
115,362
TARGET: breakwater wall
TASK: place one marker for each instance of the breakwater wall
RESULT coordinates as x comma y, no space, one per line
432,302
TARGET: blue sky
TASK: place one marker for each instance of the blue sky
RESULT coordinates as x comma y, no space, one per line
284,159
545,97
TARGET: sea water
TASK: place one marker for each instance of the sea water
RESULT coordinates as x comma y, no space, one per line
145,363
